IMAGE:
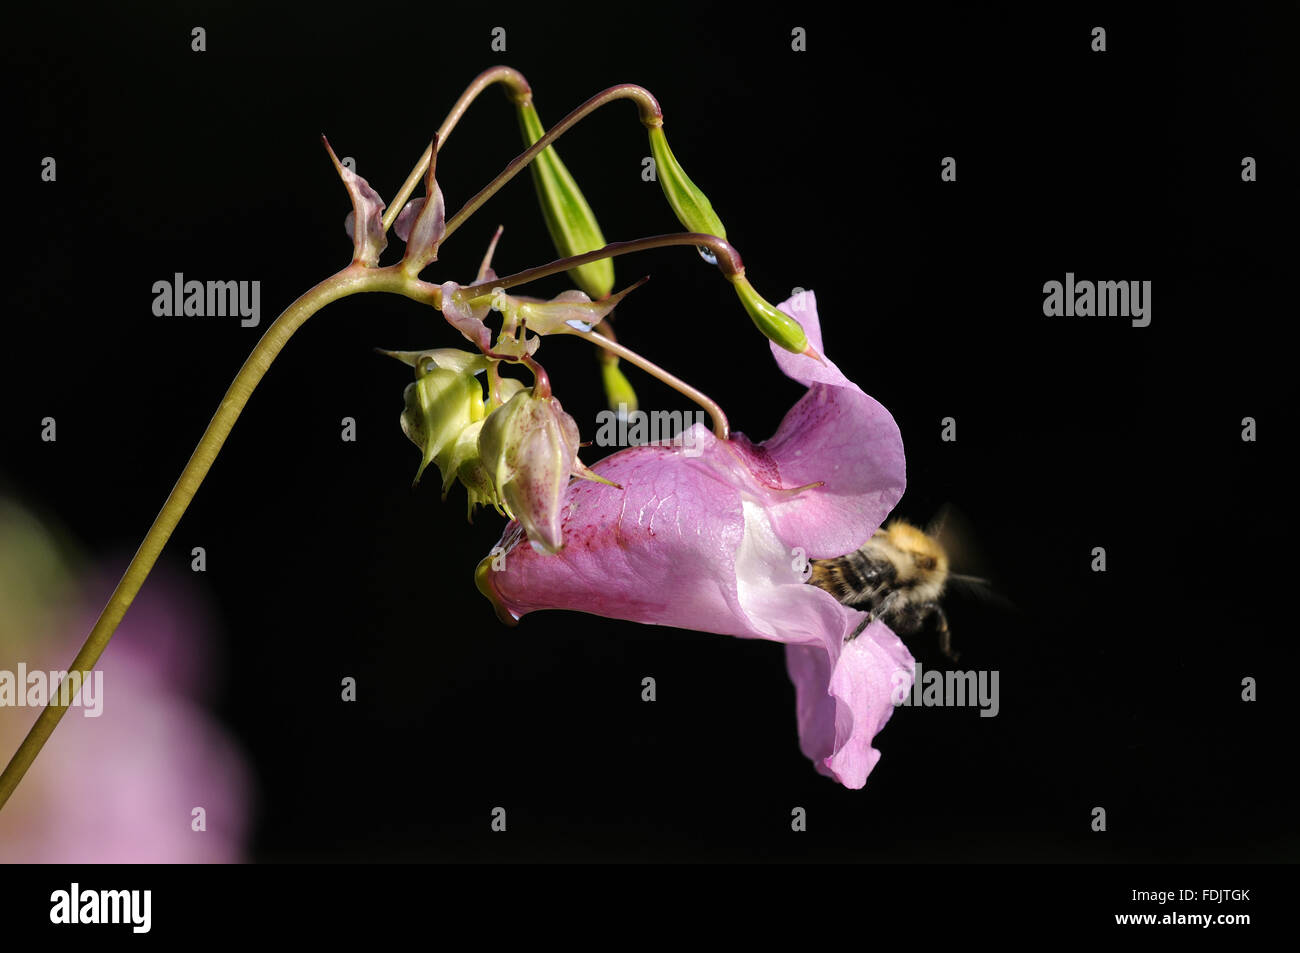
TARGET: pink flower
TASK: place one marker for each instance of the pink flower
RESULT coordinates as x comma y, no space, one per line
713,536
122,786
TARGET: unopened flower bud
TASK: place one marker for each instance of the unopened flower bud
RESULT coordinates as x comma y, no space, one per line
462,462
529,449
441,404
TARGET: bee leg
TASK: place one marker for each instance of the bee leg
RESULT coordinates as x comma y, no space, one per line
873,614
945,634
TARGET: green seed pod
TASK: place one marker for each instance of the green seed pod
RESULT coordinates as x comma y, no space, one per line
618,389
776,325
569,218
692,206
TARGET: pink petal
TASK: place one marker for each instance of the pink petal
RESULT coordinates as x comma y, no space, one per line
843,698
625,549
839,436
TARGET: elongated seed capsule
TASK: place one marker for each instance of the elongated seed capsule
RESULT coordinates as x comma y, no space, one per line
693,208
569,218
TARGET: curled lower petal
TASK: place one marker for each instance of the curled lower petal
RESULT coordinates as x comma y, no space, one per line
843,699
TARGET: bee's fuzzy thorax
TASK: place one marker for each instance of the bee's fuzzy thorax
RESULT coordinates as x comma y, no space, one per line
915,542
897,576
920,564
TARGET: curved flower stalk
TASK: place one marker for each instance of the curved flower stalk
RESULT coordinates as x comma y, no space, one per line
713,535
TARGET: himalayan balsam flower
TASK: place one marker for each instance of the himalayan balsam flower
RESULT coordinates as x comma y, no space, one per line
717,540
121,787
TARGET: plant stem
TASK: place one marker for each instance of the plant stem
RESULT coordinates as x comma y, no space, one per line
728,259
721,429
494,383
350,280
651,115
541,380
520,92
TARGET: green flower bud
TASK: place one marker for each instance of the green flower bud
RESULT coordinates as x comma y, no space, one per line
464,464
693,208
569,218
775,324
440,404
444,413
529,448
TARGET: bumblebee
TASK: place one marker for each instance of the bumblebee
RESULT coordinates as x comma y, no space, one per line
898,576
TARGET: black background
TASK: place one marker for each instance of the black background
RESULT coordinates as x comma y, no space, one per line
1119,690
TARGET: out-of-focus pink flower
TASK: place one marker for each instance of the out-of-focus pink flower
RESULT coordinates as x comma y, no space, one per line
711,535
121,787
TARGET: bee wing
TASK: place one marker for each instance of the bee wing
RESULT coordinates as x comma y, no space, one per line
981,589
956,534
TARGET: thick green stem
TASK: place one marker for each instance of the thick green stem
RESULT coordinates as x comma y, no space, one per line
351,280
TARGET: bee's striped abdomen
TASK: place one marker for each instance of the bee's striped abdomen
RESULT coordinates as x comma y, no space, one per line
855,579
